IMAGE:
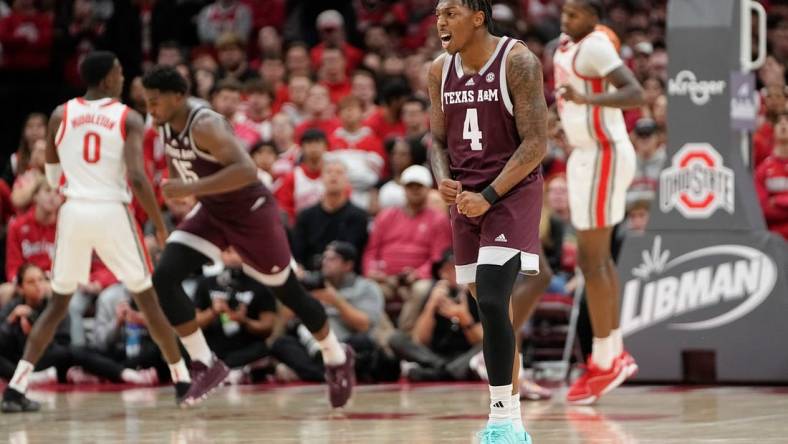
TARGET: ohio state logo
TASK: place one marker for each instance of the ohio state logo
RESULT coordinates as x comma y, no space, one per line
697,183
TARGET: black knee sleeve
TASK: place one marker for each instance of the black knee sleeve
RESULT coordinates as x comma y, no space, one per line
296,298
493,290
177,263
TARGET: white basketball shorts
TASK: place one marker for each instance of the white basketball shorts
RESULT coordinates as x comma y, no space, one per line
597,179
108,228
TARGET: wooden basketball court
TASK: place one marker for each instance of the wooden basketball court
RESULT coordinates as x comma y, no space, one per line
397,414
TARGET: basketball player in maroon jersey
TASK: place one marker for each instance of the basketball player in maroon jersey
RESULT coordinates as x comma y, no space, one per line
235,209
489,125
96,217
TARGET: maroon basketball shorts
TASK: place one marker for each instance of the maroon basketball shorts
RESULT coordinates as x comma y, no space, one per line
251,226
510,227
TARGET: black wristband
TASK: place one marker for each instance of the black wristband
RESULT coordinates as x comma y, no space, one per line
490,195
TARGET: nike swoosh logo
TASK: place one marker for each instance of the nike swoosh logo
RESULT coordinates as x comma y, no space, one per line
258,203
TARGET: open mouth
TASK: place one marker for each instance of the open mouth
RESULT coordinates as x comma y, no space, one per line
445,39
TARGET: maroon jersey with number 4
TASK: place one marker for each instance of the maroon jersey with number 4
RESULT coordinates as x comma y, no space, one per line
480,129
482,135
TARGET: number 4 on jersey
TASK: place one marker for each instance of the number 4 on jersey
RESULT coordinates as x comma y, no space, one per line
470,129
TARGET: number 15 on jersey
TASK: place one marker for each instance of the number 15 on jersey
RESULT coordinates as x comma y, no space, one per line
184,168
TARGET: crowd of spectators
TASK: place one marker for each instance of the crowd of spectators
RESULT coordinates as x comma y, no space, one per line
330,99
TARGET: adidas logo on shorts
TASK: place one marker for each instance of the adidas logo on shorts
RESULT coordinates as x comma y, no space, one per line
501,238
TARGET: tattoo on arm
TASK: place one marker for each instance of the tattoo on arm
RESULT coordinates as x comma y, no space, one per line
524,78
439,156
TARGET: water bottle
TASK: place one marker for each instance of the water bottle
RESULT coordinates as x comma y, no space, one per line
229,326
133,339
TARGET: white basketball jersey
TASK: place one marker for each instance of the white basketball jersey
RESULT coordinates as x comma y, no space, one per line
584,65
90,142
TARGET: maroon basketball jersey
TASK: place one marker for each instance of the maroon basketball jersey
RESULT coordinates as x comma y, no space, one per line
192,163
480,129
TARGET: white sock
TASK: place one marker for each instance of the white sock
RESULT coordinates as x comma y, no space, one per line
618,342
43,377
20,379
500,400
516,415
197,347
179,373
332,351
602,352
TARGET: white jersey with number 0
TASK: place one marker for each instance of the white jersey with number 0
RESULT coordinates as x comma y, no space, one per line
90,143
584,65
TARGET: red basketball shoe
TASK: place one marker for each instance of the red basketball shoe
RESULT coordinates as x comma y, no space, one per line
630,366
595,382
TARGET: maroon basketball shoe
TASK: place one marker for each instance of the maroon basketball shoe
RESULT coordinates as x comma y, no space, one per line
204,381
341,379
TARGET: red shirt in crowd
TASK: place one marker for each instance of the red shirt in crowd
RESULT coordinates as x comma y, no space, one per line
328,126
267,13
353,56
771,183
100,274
762,143
281,96
155,168
337,91
399,241
28,241
383,128
364,139
26,39
298,190
6,207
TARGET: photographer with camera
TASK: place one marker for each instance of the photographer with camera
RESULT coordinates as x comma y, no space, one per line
447,333
236,313
354,306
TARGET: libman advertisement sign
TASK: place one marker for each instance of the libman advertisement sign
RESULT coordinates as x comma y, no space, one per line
727,294
698,290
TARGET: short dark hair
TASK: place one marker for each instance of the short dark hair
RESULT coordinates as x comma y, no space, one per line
313,135
95,67
394,89
419,100
296,44
484,6
228,84
596,7
418,152
349,101
165,79
345,250
263,145
257,85
22,270
365,72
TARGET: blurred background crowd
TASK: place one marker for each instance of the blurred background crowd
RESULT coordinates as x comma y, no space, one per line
330,98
